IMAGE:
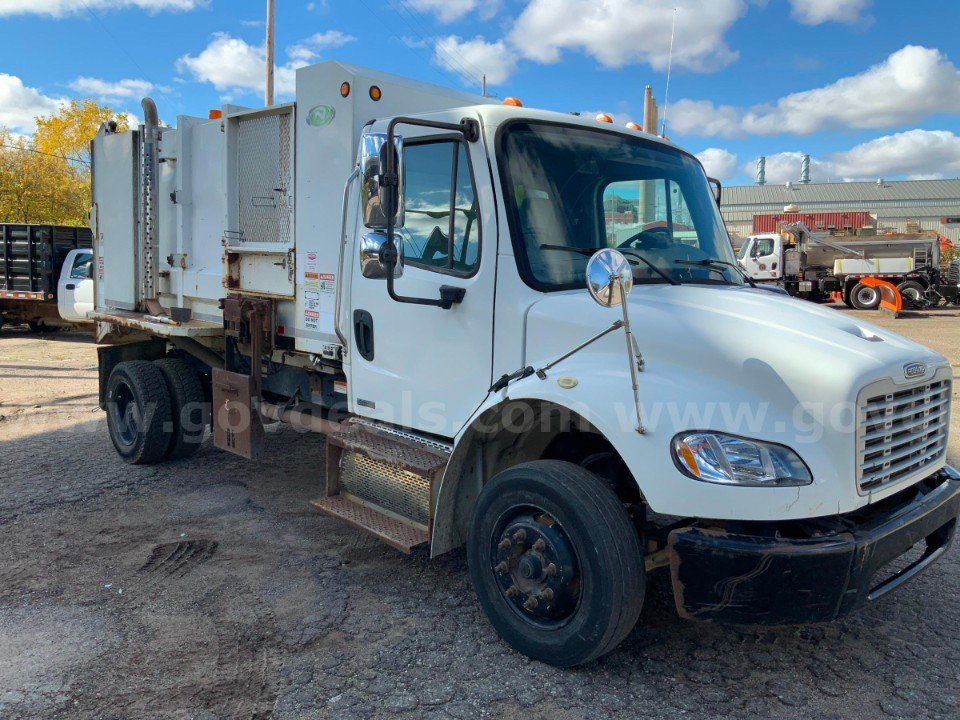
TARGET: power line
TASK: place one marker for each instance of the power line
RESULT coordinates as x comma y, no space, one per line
40,152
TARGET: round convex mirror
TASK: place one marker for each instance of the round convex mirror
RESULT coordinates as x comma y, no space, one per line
609,277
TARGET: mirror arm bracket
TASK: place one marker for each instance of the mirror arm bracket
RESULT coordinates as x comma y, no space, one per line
449,295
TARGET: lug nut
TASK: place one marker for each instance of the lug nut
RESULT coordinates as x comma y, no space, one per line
502,567
504,544
539,545
531,603
512,591
547,594
550,570
520,535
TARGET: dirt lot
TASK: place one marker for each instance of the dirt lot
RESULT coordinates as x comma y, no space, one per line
209,588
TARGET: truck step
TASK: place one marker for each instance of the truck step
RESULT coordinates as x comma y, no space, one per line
394,532
382,480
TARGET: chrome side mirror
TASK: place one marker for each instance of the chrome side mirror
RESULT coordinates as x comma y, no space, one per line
374,196
609,277
372,264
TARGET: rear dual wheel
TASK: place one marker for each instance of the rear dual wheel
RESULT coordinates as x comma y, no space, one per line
865,297
556,562
155,410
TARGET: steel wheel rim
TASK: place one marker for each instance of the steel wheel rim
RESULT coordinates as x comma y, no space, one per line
867,295
125,414
536,567
911,294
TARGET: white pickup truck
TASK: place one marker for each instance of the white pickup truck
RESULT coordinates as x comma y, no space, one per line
518,330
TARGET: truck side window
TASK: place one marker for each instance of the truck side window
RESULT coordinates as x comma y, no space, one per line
81,263
441,228
763,247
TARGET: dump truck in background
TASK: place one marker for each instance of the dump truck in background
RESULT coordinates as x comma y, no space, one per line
433,281
814,266
46,276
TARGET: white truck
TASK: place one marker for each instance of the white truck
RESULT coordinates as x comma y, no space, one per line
402,269
815,265
45,275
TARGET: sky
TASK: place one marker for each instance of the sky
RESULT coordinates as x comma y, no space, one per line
867,88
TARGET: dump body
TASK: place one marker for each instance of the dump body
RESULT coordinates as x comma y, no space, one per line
31,257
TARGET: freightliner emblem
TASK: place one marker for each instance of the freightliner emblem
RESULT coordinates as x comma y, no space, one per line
913,370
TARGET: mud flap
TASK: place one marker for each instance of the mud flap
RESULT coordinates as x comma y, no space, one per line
237,427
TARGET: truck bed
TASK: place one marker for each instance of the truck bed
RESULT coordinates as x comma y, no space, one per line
31,256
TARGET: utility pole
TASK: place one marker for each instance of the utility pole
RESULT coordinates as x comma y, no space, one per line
268,90
483,86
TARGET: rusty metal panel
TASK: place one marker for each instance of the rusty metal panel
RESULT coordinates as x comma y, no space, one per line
817,221
236,426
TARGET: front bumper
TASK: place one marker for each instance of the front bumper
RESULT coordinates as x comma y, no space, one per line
814,570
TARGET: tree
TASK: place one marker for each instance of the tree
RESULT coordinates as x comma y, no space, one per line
46,178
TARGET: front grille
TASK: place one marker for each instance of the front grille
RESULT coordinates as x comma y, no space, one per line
900,432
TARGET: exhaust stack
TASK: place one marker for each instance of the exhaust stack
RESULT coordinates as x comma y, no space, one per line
761,170
149,238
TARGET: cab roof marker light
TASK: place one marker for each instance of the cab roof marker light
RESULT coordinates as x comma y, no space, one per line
512,101
604,118
633,126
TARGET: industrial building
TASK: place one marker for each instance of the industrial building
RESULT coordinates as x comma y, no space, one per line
891,206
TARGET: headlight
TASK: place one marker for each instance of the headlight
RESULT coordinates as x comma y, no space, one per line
731,460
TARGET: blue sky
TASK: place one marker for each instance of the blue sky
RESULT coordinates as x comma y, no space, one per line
868,88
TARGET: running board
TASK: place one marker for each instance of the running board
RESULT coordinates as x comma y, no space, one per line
382,480
394,532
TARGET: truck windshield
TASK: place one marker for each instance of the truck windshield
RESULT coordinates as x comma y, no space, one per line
577,189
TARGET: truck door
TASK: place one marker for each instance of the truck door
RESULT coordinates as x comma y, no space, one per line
75,286
762,258
421,366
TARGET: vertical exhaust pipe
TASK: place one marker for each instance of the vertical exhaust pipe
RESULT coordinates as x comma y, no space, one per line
149,237
761,170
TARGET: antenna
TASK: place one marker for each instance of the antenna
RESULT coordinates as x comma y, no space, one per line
666,92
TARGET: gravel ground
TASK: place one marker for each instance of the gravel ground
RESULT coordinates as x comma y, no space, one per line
209,588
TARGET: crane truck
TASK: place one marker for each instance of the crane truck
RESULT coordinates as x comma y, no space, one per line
433,283
816,265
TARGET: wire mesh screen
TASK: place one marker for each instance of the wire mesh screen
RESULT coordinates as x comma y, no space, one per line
264,178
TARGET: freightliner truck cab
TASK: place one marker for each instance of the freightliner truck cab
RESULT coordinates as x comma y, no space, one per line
520,331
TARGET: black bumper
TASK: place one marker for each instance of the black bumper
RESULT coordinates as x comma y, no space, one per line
814,570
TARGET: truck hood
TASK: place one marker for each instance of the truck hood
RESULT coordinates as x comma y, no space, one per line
731,359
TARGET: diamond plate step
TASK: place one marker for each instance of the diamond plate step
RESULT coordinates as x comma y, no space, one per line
393,532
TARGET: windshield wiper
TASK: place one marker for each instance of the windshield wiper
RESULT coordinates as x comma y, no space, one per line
630,251
715,265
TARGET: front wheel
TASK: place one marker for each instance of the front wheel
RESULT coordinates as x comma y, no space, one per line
865,297
556,562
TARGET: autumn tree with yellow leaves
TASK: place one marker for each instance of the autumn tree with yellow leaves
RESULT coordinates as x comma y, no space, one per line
46,178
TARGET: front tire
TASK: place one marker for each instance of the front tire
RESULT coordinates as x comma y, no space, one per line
556,562
865,297
138,412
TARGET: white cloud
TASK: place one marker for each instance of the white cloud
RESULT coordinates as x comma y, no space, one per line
719,163
121,89
620,32
59,8
815,12
229,63
447,11
20,105
912,83
471,59
915,154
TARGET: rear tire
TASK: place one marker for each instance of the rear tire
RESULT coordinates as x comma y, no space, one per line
864,297
138,412
591,599
913,293
187,405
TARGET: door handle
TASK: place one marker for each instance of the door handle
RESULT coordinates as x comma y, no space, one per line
363,333
70,286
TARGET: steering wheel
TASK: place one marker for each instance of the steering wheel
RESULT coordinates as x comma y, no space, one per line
657,237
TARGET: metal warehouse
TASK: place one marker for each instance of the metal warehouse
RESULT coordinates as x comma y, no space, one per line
899,206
